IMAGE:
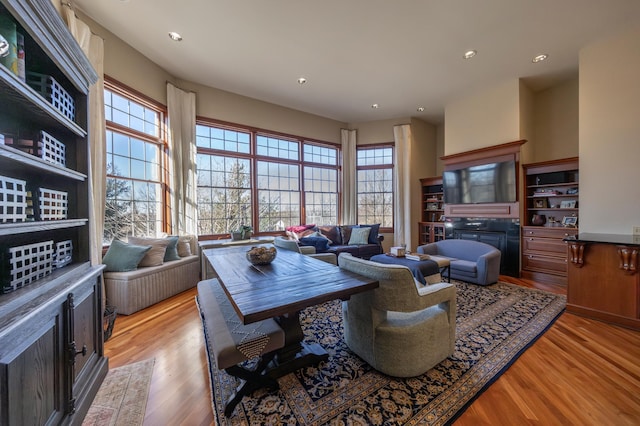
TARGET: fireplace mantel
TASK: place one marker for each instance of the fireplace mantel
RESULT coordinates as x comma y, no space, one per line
490,210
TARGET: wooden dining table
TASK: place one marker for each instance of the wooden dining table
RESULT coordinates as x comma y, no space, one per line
280,290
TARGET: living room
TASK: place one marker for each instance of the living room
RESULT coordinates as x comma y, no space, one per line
590,114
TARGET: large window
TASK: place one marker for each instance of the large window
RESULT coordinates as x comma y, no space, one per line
249,177
135,165
375,185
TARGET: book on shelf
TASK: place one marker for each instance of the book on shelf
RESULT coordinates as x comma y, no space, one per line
417,256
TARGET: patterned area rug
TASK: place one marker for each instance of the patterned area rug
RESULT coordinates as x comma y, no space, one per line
122,397
495,324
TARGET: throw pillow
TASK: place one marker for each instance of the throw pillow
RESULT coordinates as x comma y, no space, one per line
184,246
332,232
373,235
319,234
155,256
321,244
123,257
359,236
172,249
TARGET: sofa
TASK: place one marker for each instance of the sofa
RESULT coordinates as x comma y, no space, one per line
132,290
361,241
471,261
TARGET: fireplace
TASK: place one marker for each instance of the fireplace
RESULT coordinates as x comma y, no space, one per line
502,233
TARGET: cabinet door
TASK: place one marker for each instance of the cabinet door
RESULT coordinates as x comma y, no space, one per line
32,375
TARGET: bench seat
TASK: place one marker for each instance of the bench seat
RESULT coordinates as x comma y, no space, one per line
230,343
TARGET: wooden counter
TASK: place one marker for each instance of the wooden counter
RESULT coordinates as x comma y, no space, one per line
603,278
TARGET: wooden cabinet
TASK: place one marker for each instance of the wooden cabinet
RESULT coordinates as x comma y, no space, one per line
551,192
431,227
51,344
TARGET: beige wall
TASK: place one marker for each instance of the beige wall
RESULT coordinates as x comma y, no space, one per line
380,131
609,132
483,119
556,122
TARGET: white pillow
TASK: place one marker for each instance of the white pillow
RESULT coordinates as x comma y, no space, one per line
359,236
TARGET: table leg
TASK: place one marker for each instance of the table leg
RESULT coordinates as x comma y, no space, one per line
448,270
296,353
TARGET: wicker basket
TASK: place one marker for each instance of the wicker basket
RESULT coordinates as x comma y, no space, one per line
13,200
47,147
52,91
25,264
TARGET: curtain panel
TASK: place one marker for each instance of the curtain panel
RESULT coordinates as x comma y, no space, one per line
181,107
402,186
349,189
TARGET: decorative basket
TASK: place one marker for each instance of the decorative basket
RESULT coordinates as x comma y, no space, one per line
26,264
261,255
108,321
51,204
13,200
47,147
52,91
52,150
62,254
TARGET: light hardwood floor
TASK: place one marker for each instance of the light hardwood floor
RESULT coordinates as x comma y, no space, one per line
580,372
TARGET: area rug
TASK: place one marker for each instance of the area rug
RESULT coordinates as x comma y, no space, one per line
122,397
495,324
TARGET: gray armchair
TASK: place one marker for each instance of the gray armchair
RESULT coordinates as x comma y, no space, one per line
471,261
402,328
292,245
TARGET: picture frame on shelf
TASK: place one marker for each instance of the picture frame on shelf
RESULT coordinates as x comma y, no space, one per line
568,204
570,221
540,203
441,218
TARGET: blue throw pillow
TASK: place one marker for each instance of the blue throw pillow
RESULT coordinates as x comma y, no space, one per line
320,243
172,249
123,257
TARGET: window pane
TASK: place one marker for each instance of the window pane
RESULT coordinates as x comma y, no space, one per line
227,197
224,194
375,187
134,198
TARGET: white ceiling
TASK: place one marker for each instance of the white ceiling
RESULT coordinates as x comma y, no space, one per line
400,54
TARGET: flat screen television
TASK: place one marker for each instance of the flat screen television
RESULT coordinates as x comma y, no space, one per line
485,183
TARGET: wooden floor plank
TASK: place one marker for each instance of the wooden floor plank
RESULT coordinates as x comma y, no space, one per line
581,371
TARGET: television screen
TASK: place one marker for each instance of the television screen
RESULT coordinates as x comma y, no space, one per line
485,183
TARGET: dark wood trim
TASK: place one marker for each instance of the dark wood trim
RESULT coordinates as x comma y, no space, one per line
510,150
501,210
550,166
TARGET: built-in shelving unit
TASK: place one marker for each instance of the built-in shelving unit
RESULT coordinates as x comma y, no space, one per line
51,341
551,214
431,227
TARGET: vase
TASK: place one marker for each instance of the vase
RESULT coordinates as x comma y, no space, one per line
538,219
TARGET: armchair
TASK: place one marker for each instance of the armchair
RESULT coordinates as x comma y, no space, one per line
471,261
402,328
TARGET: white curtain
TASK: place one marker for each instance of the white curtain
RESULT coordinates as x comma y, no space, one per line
181,108
349,197
402,187
93,47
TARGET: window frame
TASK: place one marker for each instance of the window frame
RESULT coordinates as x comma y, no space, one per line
255,158
390,166
120,89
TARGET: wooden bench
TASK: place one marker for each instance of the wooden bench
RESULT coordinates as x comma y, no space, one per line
230,342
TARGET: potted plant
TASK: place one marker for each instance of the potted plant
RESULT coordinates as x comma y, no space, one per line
243,233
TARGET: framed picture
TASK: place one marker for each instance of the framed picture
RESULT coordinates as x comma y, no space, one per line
568,204
540,204
570,221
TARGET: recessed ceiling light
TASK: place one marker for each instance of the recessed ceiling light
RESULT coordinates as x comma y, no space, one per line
469,54
420,109
539,58
175,36
302,80
375,106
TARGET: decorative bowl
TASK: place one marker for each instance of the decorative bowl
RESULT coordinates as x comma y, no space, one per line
261,255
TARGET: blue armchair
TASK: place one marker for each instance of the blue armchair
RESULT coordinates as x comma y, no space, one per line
471,261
